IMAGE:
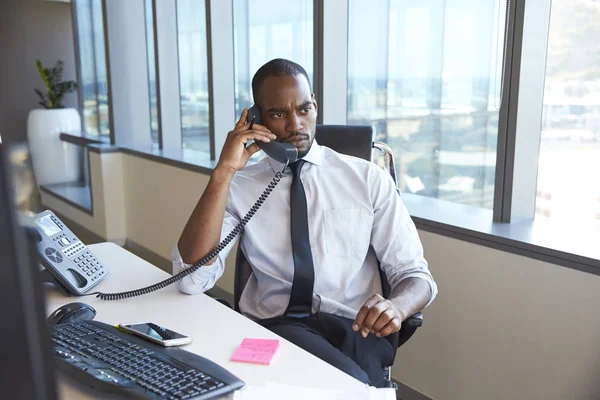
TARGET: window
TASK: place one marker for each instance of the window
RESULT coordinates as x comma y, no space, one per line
93,86
428,74
267,29
193,74
151,70
568,187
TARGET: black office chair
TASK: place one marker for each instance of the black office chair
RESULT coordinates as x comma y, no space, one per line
354,140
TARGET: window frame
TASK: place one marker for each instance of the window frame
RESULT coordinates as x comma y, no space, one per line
510,226
77,47
156,77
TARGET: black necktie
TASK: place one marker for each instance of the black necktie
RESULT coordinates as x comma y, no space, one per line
304,272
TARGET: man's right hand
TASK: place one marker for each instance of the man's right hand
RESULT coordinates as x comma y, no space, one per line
235,153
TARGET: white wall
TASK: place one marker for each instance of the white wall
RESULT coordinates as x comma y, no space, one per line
159,201
31,29
503,326
108,199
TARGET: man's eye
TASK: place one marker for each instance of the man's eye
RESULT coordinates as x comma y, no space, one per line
307,109
278,115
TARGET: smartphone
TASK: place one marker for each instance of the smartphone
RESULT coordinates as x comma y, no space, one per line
156,333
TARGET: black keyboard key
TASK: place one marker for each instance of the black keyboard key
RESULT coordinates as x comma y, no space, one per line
130,363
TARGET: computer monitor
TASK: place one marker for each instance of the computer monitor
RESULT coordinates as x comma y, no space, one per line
26,365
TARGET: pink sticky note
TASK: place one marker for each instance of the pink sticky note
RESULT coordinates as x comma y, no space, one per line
260,344
256,351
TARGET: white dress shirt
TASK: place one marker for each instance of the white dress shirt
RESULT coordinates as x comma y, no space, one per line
355,217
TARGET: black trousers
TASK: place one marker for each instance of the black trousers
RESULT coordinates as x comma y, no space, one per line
331,338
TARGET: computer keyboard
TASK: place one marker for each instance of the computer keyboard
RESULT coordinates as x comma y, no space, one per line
105,358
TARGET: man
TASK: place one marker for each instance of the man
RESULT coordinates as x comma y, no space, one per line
344,215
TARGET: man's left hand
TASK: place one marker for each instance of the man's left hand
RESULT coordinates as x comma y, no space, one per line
378,316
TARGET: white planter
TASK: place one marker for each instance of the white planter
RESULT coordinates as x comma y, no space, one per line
54,161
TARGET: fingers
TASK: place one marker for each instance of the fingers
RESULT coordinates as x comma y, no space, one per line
392,327
245,136
377,316
255,127
256,135
364,311
242,121
374,313
384,318
253,148
241,124
245,128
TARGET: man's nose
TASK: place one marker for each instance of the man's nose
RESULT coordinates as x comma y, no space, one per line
294,123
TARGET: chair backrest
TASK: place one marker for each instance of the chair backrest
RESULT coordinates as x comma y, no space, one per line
353,140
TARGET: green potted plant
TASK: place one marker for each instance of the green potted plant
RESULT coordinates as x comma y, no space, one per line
54,161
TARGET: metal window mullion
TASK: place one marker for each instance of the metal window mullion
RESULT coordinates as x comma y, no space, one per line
109,91
153,11
166,53
221,72
127,27
84,167
386,63
436,68
333,62
242,55
317,83
211,103
95,69
77,58
521,109
506,118
157,77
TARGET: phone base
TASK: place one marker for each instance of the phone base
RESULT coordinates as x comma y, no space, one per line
48,278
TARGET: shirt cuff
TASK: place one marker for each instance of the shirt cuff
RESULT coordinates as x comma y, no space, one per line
201,280
426,277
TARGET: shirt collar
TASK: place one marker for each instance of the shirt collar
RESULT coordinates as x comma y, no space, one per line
314,156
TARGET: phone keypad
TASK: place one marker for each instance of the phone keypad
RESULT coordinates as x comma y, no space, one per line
89,265
76,248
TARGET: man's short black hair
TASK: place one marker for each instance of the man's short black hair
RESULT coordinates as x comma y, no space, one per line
275,67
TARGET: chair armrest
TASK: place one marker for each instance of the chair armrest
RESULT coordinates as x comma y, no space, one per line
409,327
415,320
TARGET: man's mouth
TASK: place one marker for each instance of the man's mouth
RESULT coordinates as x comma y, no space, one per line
297,139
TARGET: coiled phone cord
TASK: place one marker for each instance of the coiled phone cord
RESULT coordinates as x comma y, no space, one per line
208,257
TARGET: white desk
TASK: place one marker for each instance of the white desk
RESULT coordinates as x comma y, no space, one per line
216,329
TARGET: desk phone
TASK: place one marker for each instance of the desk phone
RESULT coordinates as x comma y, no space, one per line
68,263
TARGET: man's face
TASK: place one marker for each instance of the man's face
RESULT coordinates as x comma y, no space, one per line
289,110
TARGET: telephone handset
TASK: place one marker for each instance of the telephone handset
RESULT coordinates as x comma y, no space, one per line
68,263
282,152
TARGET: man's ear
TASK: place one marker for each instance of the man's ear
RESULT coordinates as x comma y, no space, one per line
314,100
